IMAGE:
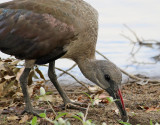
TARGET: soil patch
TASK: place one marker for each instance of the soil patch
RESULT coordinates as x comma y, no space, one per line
142,104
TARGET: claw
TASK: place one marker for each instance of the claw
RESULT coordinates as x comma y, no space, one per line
74,105
30,112
80,104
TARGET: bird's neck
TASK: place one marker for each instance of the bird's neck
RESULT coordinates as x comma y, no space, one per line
87,67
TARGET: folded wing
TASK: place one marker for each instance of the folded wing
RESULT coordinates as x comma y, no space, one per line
29,34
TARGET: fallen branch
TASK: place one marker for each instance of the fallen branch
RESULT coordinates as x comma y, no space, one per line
102,55
68,70
86,112
74,78
139,42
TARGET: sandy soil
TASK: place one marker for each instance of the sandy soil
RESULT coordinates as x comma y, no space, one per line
142,104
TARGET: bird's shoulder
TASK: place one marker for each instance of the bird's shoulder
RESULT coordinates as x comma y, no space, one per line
24,28
59,9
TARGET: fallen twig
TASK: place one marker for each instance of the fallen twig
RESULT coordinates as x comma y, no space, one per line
102,55
86,112
74,78
68,70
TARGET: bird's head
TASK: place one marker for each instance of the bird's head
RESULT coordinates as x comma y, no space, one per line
108,76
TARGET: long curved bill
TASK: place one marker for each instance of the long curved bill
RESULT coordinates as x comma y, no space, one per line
119,102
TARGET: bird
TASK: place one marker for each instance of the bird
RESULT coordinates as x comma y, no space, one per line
42,31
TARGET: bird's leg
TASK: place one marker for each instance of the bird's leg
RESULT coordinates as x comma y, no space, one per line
67,102
53,78
23,83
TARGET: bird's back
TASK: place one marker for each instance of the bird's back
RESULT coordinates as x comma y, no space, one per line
30,29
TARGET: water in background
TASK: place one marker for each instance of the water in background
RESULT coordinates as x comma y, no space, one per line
142,16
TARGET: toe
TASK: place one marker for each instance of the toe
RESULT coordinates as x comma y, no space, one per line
73,106
35,112
80,104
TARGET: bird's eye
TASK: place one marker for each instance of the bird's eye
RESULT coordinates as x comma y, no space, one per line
107,77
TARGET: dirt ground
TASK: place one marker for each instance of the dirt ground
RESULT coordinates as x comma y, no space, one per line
142,105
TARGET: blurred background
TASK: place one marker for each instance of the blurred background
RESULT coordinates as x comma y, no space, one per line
129,35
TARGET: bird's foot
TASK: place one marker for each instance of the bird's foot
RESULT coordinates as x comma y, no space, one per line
80,104
35,112
74,105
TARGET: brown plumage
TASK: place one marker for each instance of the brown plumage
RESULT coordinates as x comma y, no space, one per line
23,23
41,31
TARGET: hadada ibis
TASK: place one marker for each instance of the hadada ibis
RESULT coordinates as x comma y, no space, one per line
41,31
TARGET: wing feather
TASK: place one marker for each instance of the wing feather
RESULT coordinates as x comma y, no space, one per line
30,33
57,8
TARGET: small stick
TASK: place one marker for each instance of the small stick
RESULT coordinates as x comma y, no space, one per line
68,70
86,112
74,78
50,105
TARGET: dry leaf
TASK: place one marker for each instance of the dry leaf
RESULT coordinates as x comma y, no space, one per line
48,97
12,118
94,89
19,74
24,119
80,98
31,74
2,66
141,107
127,109
103,96
15,62
96,101
30,90
117,111
7,77
153,109
2,87
40,73
40,82
18,94
7,60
